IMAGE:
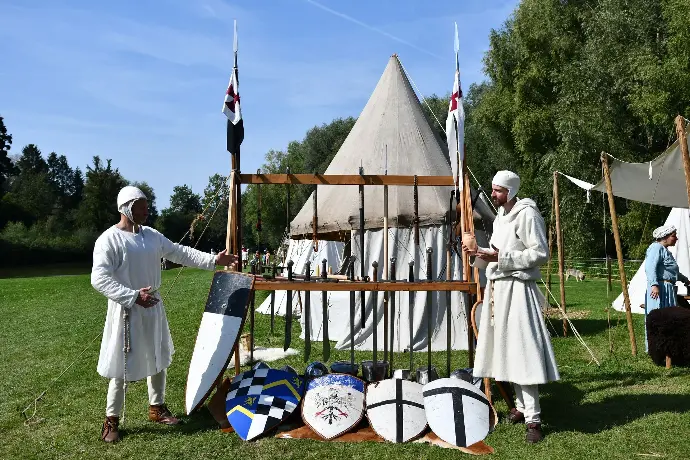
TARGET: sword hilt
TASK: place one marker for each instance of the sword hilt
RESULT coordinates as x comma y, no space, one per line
429,265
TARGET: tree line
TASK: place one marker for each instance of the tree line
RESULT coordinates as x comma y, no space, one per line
565,80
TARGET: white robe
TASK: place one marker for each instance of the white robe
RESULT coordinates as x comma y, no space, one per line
517,347
123,263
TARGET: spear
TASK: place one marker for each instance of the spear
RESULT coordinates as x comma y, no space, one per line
361,246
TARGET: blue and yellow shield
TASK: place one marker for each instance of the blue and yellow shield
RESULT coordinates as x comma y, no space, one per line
261,399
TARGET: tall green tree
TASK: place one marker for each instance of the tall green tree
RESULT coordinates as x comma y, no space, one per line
98,208
6,166
568,80
31,192
175,221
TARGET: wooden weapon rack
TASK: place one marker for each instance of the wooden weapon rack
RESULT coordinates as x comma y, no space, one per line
463,219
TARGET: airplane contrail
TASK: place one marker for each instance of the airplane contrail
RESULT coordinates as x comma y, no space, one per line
372,28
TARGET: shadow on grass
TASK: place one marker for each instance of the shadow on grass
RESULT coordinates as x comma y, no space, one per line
568,412
198,422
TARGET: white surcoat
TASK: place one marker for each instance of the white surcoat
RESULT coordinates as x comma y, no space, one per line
123,263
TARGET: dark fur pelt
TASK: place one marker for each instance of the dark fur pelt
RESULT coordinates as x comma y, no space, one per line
668,334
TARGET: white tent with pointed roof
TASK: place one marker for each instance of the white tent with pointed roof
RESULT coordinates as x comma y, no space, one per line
391,133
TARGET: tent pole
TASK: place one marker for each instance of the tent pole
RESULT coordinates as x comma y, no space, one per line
548,265
683,141
619,252
559,244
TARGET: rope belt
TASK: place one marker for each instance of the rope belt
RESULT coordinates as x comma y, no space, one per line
126,349
491,301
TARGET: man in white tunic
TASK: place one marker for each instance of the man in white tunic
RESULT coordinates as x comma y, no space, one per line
513,343
127,270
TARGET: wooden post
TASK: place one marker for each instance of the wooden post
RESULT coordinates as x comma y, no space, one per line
668,362
548,265
683,141
619,253
559,244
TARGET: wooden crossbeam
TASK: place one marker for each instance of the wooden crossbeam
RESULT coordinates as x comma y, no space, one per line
344,179
266,285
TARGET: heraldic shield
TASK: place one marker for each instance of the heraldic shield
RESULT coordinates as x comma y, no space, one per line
333,404
395,409
261,399
221,323
457,411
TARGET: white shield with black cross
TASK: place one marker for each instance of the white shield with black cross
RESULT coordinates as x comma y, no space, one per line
457,411
395,409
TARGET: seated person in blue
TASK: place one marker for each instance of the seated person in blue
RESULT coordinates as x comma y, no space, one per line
662,272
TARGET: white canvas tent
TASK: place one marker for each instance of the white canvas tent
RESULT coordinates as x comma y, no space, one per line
391,132
637,287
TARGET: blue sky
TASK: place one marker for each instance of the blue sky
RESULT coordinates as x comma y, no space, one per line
142,81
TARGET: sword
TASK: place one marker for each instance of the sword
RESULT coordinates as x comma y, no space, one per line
429,252
288,311
391,277
375,298
307,314
251,320
411,314
351,274
273,302
324,306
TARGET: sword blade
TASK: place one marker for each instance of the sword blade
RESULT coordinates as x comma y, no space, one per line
324,306
307,325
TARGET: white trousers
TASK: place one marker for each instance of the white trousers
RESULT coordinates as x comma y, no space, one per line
527,402
116,393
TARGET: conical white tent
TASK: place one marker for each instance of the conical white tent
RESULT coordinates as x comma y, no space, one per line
637,287
390,134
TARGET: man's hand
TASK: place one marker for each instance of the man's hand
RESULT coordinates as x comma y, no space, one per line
468,250
654,294
145,299
488,256
225,259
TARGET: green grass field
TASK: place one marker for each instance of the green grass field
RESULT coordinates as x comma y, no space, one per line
626,408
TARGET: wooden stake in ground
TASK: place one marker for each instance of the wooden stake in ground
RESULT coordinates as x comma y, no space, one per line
683,141
619,252
559,243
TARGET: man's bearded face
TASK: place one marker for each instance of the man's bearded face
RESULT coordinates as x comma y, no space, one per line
499,195
140,211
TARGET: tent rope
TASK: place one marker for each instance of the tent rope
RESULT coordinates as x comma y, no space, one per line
572,326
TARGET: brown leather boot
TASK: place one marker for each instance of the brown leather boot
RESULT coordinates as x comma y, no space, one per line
515,416
534,434
161,414
109,431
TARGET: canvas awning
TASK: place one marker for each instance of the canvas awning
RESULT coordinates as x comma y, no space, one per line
660,181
